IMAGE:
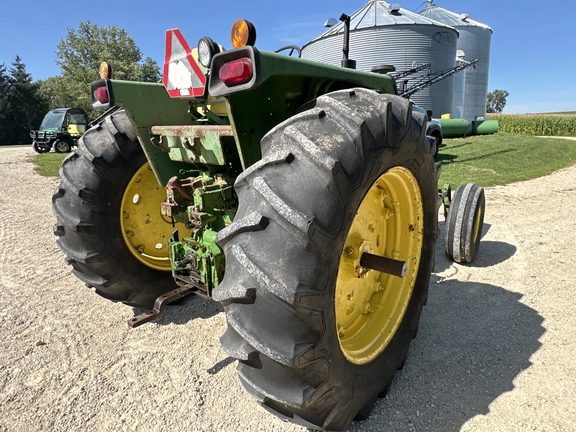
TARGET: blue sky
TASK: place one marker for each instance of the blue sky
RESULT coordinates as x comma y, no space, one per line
533,54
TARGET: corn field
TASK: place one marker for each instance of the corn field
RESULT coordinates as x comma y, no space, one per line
538,124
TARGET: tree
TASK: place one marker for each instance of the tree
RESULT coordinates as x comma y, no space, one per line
80,54
22,106
54,90
5,82
25,99
496,101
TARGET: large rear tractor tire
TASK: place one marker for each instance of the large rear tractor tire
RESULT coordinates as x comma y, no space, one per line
318,334
464,223
108,219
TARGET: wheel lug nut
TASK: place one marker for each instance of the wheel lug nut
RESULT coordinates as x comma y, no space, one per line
367,308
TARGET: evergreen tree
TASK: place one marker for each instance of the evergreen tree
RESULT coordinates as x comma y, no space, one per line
5,84
25,106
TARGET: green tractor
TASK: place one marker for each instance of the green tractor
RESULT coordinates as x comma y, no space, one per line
301,196
60,130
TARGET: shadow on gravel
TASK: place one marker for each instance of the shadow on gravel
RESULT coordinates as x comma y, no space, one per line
474,340
186,310
490,253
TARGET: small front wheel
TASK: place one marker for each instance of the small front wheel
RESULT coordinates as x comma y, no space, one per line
62,147
464,223
40,149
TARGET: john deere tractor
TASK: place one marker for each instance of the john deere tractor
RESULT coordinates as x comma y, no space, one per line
301,196
60,130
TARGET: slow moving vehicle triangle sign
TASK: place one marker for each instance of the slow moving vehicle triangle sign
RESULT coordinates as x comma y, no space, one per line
182,76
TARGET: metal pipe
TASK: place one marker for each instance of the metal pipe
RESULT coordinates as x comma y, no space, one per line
346,48
346,62
384,265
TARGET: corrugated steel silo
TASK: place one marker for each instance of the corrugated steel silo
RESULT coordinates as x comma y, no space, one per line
384,33
474,40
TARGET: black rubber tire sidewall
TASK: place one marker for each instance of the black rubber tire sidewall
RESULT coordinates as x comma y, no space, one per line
87,208
466,211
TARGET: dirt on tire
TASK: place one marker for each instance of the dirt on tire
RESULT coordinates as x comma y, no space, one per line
495,349
308,330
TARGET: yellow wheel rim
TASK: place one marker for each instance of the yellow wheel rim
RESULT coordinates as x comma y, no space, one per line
478,225
370,305
143,227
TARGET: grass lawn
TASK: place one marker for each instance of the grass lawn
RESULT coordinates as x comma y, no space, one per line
48,164
489,160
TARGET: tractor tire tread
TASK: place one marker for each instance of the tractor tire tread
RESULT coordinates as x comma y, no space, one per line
92,183
277,314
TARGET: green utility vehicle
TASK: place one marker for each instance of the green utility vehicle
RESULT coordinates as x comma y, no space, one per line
60,130
302,196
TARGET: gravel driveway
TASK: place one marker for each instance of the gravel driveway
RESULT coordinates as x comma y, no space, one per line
495,349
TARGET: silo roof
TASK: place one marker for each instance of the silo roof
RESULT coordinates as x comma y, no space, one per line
451,18
378,13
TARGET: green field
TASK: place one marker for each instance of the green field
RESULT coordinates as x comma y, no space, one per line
551,124
502,158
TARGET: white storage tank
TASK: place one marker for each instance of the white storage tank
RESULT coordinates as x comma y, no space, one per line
384,33
474,40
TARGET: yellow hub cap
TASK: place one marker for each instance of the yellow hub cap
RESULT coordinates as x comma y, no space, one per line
143,227
370,305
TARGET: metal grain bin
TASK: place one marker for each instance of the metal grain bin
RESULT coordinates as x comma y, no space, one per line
474,40
384,33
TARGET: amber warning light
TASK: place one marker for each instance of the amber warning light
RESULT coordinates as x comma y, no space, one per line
243,33
182,76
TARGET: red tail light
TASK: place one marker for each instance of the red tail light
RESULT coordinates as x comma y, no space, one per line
101,95
236,72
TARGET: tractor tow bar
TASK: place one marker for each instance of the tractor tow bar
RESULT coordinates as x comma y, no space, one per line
160,304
